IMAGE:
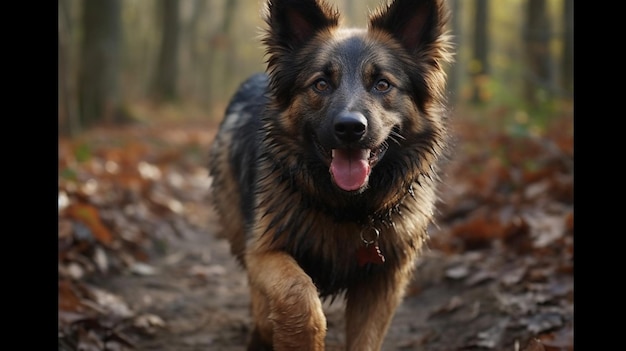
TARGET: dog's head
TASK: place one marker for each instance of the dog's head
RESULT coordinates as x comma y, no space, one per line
358,99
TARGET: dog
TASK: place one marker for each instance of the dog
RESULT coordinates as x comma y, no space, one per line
325,167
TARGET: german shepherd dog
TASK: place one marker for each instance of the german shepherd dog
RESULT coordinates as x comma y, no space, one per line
325,167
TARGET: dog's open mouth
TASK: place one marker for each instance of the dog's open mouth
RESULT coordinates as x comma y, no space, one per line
350,168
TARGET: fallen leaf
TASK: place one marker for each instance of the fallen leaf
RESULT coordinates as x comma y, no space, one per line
69,299
478,231
453,304
111,303
534,190
560,340
64,201
100,258
491,337
88,340
534,345
72,270
513,276
88,215
149,323
457,272
65,229
515,304
479,277
149,171
67,318
517,237
569,222
207,272
140,268
118,341
545,228
542,322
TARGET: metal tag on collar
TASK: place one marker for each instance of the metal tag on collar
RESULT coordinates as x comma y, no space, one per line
369,252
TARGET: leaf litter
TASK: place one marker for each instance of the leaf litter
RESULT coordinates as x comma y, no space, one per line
498,273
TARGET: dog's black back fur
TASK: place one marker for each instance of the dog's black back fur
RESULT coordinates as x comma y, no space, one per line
248,105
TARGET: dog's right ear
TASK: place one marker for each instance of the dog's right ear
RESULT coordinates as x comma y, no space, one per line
292,23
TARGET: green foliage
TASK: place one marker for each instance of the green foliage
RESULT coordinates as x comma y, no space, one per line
503,98
503,106
68,174
82,153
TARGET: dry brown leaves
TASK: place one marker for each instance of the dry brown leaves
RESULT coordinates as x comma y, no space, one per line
506,219
122,195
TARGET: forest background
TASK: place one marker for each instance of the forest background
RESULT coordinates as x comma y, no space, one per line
118,59
142,86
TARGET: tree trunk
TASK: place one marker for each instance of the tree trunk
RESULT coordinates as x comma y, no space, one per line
221,58
68,115
166,75
227,28
537,43
454,80
567,65
479,67
193,75
100,62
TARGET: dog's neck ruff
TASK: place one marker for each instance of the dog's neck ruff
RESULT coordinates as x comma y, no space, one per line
370,251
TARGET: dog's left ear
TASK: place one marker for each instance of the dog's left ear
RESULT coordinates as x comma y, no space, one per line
414,23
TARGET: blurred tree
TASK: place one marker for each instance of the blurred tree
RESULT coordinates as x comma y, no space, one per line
66,95
479,66
217,46
193,76
538,74
454,76
227,30
99,98
164,88
567,57
222,52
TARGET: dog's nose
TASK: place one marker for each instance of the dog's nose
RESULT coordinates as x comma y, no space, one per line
350,126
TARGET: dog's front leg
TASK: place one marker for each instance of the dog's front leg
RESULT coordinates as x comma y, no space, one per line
286,306
370,308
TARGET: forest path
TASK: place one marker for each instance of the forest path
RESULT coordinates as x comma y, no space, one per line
201,292
497,274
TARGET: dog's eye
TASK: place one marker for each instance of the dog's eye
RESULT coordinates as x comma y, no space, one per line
321,85
382,86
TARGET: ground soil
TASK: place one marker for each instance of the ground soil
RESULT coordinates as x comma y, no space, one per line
209,310
459,299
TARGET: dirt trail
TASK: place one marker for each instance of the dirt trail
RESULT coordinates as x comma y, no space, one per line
497,274
201,293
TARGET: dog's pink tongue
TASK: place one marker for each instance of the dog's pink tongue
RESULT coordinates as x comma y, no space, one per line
350,168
